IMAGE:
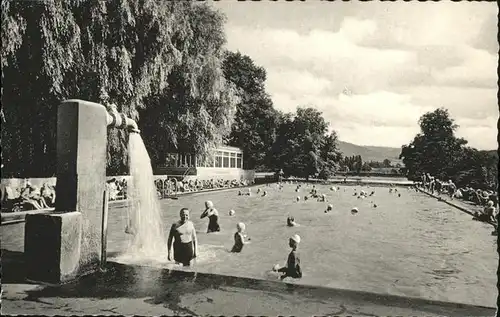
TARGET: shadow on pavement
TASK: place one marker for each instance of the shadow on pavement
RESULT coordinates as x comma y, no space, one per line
13,269
167,287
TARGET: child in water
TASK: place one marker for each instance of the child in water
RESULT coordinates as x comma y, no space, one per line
290,222
292,268
239,238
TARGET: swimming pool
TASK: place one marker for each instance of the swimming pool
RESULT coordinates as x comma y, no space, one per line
411,245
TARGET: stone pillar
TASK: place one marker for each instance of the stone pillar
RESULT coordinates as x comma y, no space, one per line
81,179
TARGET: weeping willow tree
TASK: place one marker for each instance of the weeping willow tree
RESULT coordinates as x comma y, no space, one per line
160,62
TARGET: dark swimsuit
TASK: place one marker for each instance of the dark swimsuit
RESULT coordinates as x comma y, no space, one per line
238,243
183,252
292,268
213,224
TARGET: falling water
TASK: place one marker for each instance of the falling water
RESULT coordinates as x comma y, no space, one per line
144,215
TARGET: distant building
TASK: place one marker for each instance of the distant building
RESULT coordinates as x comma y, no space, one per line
226,162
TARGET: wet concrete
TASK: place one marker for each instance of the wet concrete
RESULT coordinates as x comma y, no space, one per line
128,290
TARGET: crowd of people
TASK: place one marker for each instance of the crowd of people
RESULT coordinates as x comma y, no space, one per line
27,197
30,197
173,186
487,199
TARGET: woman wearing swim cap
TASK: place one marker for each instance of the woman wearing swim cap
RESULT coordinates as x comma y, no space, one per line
213,217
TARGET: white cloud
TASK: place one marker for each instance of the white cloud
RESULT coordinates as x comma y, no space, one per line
478,69
300,82
396,66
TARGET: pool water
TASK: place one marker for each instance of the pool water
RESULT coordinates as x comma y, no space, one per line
411,245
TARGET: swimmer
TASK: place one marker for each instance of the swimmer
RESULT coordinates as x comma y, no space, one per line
183,235
292,268
329,208
290,222
374,205
297,199
239,238
231,212
399,195
372,193
264,194
213,217
322,198
390,190
354,210
306,198
297,190
258,190
239,193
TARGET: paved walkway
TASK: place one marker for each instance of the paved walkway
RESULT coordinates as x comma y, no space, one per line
128,290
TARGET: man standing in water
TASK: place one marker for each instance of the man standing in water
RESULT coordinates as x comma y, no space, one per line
185,242
213,217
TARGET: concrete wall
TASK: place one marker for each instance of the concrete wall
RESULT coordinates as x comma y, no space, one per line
205,173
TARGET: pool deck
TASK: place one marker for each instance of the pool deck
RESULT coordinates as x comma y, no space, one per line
461,205
133,290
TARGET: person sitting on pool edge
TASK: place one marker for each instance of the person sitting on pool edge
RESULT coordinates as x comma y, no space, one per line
185,243
239,238
213,217
292,268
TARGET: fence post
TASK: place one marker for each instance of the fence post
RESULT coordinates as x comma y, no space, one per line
104,231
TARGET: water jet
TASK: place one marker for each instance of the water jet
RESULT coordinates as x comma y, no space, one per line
66,244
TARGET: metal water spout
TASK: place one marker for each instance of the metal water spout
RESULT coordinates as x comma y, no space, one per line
120,120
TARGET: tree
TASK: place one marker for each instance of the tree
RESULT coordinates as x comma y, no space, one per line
366,167
256,121
302,147
435,149
159,62
330,155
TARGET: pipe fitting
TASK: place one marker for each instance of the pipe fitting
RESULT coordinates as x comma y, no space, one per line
120,120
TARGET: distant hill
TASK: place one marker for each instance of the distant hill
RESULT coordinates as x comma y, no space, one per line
371,153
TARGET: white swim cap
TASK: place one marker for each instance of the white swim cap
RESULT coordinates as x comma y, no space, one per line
240,226
490,203
295,238
330,207
209,204
231,212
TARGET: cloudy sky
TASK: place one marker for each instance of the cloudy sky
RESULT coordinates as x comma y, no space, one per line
374,68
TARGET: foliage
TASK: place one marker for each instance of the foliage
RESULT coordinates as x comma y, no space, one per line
437,151
303,148
353,163
256,121
161,63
